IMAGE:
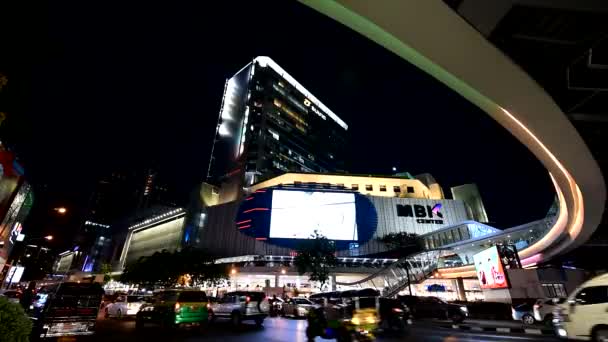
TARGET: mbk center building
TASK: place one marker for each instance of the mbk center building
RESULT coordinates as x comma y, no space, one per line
277,174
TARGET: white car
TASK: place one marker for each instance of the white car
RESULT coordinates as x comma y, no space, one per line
297,307
124,306
584,315
543,310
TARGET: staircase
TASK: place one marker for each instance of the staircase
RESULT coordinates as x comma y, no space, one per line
394,278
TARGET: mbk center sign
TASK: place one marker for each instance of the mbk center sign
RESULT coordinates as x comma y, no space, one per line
423,214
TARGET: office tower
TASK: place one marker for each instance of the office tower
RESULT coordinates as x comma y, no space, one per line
270,124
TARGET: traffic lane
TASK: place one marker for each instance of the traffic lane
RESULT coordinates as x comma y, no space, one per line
282,329
423,331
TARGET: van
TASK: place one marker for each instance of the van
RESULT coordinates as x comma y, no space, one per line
584,315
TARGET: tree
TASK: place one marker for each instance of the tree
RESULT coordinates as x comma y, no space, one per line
166,268
14,323
402,243
316,256
106,270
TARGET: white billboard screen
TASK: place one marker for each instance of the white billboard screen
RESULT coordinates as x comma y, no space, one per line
297,214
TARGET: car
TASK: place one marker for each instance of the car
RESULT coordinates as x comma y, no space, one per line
584,314
239,306
13,296
434,307
543,310
172,308
66,309
297,307
124,306
523,312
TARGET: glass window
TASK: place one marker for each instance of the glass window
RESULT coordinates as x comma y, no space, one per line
382,187
369,187
464,232
396,189
193,296
410,189
593,295
355,187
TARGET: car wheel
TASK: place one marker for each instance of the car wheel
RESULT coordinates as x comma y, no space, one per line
528,319
549,320
235,319
600,335
457,318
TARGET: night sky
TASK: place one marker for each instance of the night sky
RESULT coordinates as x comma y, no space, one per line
99,87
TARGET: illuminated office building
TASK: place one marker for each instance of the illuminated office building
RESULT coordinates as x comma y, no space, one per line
270,124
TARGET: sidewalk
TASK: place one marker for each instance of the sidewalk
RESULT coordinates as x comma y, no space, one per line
482,325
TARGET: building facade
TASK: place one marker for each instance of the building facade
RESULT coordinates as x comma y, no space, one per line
270,124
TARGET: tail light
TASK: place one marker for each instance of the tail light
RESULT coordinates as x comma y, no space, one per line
247,299
177,307
397,310
208,305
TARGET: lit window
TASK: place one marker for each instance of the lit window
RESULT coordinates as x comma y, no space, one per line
382,187
410,189
369,187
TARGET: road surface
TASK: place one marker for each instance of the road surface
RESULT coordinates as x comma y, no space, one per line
280,330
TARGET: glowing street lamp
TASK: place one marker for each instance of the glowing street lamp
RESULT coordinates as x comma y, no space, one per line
49,237
61,210
233,271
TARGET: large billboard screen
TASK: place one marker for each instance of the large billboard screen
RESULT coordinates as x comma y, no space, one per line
298,214
490,272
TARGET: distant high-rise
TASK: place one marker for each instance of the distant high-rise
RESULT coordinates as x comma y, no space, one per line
270,124
469,194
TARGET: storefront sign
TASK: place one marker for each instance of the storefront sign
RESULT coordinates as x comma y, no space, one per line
423,214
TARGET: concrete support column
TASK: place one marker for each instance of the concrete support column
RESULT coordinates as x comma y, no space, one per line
459,286
276,280
332,280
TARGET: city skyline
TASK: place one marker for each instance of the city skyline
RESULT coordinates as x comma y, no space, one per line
158,100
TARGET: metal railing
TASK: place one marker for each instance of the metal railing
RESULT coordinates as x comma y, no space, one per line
394,278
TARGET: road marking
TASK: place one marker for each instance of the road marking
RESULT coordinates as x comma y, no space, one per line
477,328
503,330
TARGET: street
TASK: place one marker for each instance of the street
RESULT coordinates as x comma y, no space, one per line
282,329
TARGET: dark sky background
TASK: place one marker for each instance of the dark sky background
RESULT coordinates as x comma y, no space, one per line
103,86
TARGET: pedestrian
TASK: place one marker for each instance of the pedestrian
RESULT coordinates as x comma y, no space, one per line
28,296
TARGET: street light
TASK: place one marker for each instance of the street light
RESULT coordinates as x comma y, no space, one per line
233,271
61,210
49,237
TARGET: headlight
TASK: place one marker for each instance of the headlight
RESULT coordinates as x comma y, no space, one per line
355,321
464,309
562,332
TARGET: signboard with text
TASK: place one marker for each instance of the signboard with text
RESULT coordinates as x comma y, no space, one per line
490,270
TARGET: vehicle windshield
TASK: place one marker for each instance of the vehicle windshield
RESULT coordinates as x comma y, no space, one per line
192,296
302,301
133,299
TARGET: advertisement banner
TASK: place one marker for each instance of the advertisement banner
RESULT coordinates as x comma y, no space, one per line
490,270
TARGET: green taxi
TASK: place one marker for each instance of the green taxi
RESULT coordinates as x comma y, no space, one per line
172,308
